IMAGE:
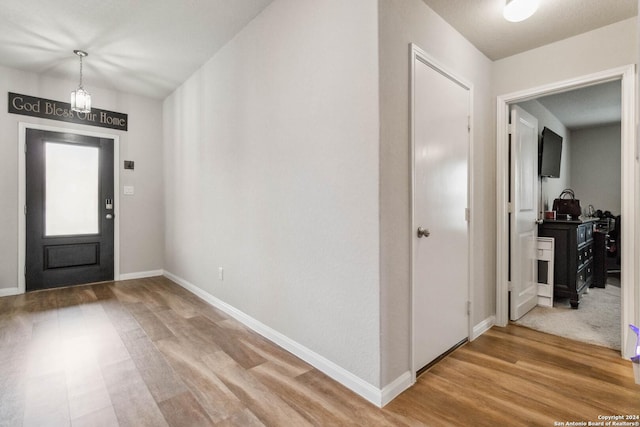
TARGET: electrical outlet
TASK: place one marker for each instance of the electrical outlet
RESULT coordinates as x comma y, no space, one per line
221,273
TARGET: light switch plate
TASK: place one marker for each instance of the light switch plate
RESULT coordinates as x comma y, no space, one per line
129,190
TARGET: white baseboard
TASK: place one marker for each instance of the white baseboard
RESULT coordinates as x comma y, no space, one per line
393,390
7,292
483,327
141,275
371,393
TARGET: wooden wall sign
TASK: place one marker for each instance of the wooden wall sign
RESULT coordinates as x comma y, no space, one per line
61,111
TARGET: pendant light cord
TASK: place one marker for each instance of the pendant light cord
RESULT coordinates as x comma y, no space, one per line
80,85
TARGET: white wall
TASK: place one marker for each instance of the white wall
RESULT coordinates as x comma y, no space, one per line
608,47
403,22
271,172
552,187
595,167
141,216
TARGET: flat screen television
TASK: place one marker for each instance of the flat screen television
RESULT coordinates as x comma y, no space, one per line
550,154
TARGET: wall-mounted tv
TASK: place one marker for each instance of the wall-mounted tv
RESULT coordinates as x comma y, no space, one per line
550,154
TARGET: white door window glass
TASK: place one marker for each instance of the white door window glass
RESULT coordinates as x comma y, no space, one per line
72,187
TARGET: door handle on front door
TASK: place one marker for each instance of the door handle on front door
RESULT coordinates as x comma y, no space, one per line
423,232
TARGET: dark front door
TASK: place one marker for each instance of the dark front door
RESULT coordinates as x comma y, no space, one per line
70,209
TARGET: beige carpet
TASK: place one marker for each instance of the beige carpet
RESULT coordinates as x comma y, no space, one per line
596,321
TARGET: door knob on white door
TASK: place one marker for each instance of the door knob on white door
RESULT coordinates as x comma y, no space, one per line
423,232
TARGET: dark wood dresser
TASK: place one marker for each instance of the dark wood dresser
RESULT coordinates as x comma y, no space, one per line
573,258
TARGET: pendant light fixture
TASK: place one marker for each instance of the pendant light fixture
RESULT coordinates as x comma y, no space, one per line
519,10
80,98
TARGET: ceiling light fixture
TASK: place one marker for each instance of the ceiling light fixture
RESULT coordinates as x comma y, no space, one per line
519,10
80,98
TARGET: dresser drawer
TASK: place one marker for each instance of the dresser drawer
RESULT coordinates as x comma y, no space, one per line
581,235
585,254
584,276
584,233
581,278
588,232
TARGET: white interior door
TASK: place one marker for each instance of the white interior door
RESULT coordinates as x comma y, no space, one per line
523,288
440,120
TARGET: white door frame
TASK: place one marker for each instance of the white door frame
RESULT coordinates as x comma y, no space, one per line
630,188
22,194
417,54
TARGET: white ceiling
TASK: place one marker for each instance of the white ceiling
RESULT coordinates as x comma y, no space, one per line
481,22
147,47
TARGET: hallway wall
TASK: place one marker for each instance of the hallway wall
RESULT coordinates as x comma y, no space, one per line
608,47
271,161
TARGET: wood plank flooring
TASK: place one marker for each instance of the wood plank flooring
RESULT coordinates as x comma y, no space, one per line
149,353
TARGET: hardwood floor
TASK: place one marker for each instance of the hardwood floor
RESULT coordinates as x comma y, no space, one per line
147,352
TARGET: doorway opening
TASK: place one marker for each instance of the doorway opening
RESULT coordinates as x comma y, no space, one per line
629,188
580,134
65,249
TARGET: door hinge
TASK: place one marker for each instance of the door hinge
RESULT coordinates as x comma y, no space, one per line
467,214
25,147
25,209
511,129
509,207
509,286
469,308
468,123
